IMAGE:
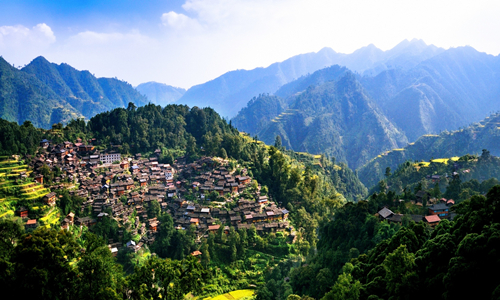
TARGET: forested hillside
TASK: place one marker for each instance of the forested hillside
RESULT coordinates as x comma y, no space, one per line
469,140
401,257
335,118
309,187
453,261
24,97
45,93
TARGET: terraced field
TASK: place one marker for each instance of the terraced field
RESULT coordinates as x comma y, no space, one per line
283,115
13,191
11,168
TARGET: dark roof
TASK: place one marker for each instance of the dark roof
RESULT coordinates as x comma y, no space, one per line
395,218
416,218
439,206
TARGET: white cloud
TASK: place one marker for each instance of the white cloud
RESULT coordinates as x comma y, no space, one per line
175,20
39,35
19,44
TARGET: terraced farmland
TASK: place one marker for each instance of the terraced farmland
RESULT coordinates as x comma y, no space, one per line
13,190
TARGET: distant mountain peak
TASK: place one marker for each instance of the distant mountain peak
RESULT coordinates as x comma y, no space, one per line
160,93
40,59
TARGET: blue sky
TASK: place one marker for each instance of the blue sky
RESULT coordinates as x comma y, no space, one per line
187,42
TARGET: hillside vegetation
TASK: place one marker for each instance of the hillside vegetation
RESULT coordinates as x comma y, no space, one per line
469,140
45,93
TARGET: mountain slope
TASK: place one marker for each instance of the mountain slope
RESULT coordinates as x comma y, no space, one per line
452,89
258,113
85,92
237,87
24,97
45,93
470,140
160,93
335,118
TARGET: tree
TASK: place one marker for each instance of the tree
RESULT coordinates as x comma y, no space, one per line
43,264
131,106
387,172
99,275
401,276
205,254
166,230
169,278
277,142
154,209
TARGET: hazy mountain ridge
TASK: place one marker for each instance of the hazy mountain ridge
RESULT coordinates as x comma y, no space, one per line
230,92
452,89
160,93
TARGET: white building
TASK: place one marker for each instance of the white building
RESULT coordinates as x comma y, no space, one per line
110,158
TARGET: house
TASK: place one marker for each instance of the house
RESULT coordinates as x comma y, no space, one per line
44,143
31,224
71,217
39,179
197,254
385,213
22,212
421,195
153,226
50,199
85,148
213,228
243,179
396,218
440,209
432,220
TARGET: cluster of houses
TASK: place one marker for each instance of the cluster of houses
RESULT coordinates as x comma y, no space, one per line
118,187
436,212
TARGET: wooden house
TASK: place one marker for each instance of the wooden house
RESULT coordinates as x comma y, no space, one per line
50,199
22,212
31,224
432,220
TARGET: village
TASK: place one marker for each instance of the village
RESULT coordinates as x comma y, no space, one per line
207,194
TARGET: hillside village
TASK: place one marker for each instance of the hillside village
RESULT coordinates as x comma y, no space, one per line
207,193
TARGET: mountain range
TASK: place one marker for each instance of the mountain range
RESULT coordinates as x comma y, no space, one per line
238,87
452,89
46,93
366,103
